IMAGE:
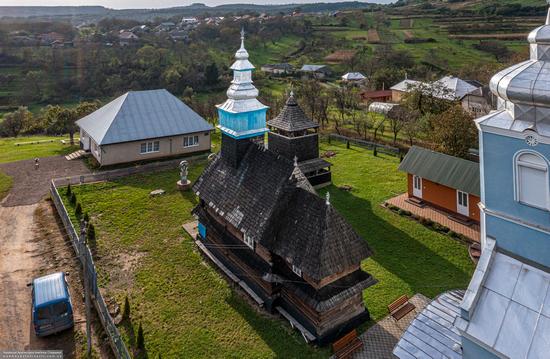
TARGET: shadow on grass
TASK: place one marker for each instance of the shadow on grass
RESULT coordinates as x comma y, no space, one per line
282,340
398,252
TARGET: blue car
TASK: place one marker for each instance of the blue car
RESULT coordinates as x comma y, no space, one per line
52,310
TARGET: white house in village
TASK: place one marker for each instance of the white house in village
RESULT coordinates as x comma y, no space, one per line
353,77
449,88
143,125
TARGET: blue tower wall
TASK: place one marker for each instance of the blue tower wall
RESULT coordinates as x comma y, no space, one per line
253,122
516,234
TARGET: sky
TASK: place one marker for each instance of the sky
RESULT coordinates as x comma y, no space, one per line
146,4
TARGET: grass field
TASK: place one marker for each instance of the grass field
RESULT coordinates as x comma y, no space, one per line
10,151
189,310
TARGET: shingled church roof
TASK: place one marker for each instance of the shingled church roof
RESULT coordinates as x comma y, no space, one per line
314,237
292,118
268,198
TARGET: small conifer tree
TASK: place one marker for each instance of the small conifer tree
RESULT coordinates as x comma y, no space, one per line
78,210
86,217
90,232
140,342
69,190
72,198
126,310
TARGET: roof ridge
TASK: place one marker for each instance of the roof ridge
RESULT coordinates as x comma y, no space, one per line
116,114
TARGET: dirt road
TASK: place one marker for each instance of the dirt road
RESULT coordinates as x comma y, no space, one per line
32,244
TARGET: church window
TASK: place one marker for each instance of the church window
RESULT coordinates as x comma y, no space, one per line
532,180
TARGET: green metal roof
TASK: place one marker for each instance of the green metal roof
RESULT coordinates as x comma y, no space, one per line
440,168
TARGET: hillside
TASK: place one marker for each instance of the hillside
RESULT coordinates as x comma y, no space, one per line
93,13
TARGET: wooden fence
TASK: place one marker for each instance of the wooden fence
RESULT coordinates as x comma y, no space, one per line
389,150
83,252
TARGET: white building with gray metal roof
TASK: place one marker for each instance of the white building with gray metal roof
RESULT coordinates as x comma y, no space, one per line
143,125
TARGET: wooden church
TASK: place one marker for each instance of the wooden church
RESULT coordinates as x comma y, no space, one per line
262,223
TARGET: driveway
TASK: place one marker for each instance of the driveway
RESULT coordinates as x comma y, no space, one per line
30,185
32,243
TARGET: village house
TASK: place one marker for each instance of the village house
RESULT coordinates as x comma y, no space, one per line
316,71
505,312
353,77
468,93
278,69
442,181
376,96
143,125
262,223
127,38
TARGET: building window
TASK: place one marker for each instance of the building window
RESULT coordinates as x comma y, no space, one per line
462,199
249,241
532,180
190,141
149,147
297,270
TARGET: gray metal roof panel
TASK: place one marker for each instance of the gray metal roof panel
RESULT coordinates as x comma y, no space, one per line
432,333
139,115
440,168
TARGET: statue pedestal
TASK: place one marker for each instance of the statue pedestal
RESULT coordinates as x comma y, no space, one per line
184,186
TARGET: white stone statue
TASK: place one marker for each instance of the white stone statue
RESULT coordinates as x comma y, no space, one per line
184,170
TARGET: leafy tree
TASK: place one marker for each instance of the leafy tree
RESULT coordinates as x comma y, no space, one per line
15,122
454,132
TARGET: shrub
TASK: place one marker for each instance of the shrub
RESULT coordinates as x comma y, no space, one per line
72,198
140,342
90,231
78,211
126,310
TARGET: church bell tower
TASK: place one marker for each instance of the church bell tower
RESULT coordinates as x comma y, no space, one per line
242,118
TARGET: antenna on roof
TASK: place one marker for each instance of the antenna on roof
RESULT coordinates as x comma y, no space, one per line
328,198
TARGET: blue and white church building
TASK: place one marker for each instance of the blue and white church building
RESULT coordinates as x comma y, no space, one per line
505,311
241,117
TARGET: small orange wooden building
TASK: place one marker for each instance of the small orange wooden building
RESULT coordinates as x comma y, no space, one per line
445,182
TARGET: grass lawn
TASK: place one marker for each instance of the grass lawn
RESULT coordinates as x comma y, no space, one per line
9,152
189,310
5,185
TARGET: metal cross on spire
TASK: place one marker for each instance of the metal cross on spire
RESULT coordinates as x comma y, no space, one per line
242,36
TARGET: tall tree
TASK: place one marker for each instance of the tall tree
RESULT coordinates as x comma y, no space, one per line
15,122
454,132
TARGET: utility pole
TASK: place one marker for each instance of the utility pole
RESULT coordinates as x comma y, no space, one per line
84,259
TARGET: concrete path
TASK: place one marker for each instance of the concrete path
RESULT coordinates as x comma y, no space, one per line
381,338
31,184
